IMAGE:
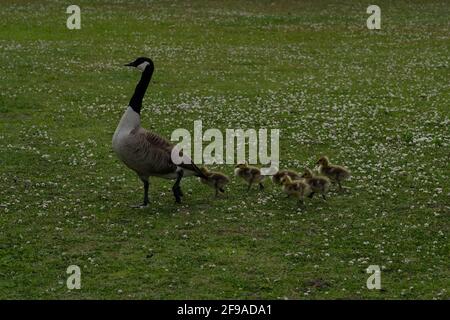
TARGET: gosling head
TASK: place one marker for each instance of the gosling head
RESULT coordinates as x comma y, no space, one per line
141,64
323,161
242,165
307,174
204,170
285,180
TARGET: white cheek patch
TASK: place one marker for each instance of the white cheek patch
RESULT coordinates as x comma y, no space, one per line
142,66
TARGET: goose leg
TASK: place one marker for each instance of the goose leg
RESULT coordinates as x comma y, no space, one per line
311,195
261,186
146,200
176,187
146,185
340,187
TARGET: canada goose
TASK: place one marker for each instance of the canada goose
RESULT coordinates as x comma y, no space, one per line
214,179
250,174
334,172
297,188
318,184
276,178
147,153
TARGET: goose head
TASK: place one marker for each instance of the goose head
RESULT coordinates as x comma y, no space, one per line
141,63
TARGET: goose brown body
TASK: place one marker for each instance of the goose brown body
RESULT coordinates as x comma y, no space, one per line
149,154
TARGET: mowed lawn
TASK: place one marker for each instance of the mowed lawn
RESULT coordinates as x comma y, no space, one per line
375,101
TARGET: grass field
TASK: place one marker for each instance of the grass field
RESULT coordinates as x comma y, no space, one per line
376,101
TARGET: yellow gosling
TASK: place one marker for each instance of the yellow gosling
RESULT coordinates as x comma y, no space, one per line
214,179
250,175
296,188
276,178
334,172
318,184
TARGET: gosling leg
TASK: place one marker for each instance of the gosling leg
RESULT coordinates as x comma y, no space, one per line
217,190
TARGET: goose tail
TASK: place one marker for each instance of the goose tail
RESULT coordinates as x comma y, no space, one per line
198,172
192,167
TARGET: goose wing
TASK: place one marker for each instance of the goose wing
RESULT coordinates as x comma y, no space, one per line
150,152
161,153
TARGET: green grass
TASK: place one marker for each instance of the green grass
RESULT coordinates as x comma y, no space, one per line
375,101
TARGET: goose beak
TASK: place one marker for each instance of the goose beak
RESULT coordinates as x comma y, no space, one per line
129,64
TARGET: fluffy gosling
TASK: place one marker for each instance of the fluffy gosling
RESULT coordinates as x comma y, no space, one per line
318,184
334,172
296,188
276,178
214,179
250,174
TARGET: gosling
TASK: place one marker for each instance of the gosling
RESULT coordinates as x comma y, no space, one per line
250,174
318,184
296,188
214,179
334,172
276,178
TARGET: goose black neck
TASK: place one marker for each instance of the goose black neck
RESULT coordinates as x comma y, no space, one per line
141,88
